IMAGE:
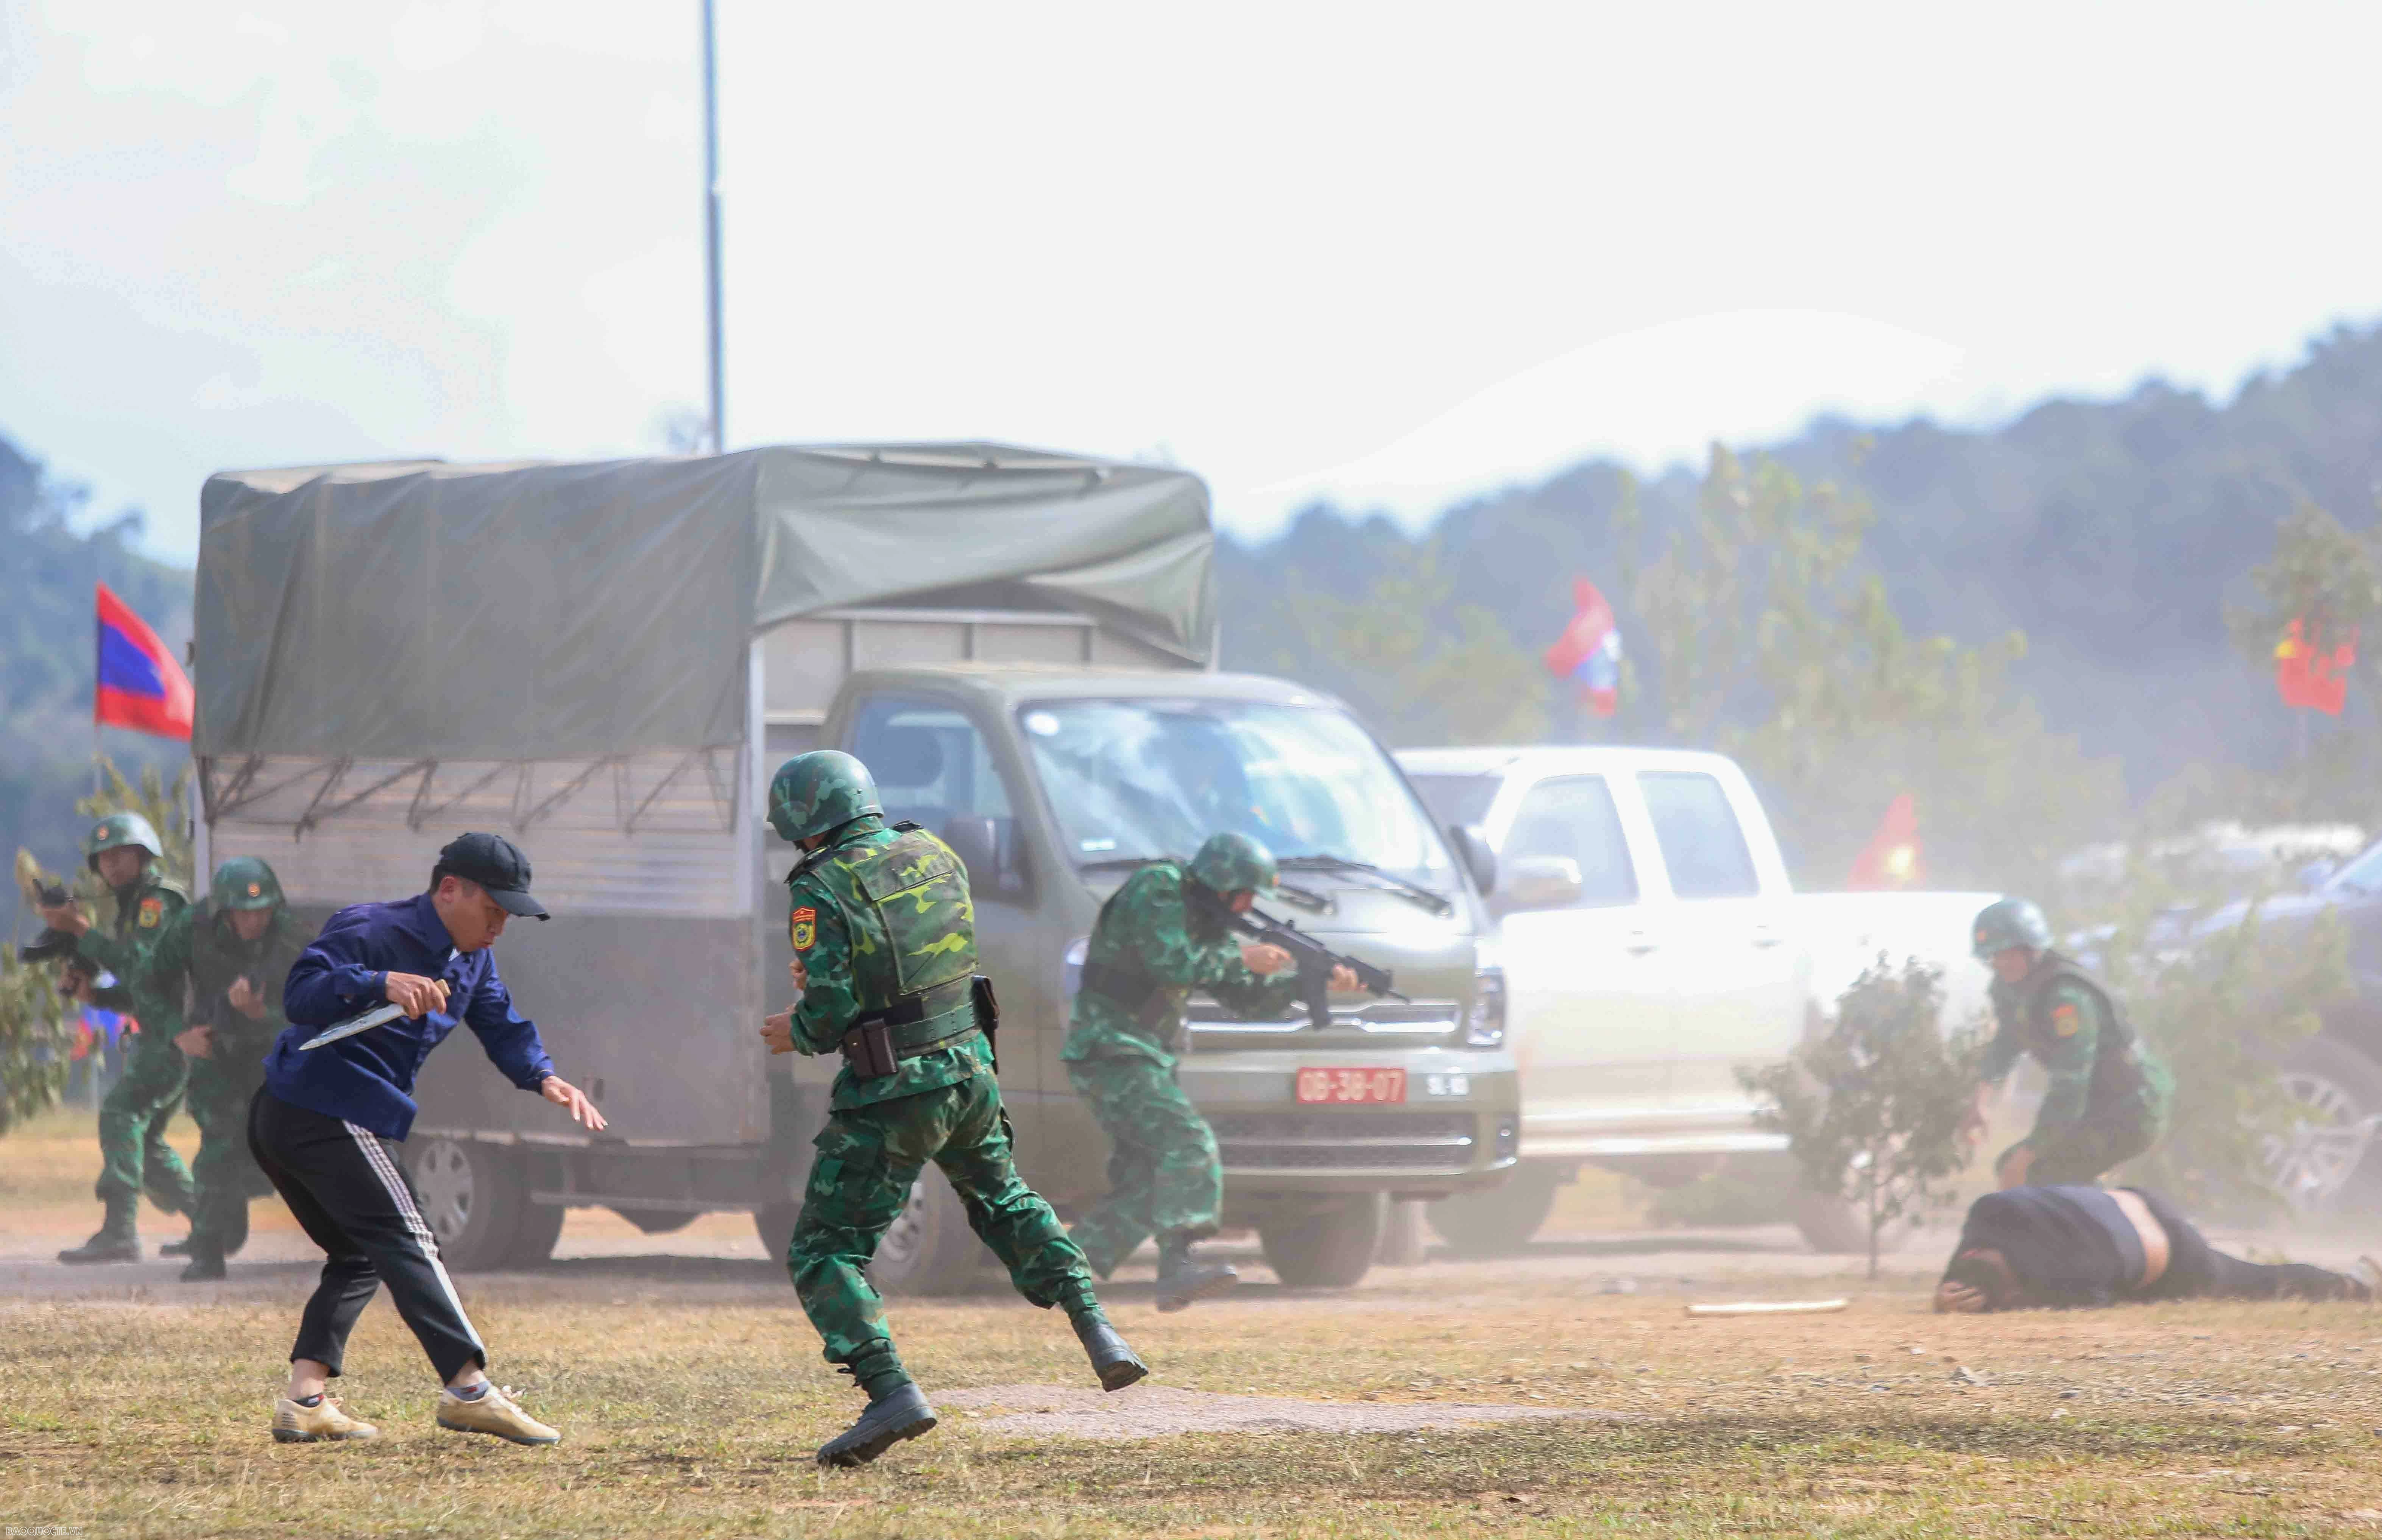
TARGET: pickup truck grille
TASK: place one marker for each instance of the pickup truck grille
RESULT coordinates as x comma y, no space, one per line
1325,1141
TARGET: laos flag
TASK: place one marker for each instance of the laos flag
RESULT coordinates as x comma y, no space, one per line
140,686
1589,651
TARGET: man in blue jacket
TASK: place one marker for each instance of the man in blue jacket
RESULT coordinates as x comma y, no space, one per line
327,1126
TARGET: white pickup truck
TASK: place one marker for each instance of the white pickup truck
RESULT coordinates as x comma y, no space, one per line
1652,944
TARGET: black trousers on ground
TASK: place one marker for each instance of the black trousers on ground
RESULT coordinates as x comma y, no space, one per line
2196,1270
351,1197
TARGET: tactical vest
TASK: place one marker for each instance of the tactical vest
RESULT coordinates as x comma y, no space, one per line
156,900
918,892
218,957
1156,1007
2116,1060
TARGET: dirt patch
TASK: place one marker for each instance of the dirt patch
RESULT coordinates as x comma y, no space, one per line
1158,1410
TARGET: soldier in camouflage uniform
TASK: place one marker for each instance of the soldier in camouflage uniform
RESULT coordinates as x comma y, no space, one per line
124,850
884,938
1159,936
2109,1095
231,952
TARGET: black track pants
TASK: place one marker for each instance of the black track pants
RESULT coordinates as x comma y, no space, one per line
351,1197
2196,1270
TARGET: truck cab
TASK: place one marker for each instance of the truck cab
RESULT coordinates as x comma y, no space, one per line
1056,785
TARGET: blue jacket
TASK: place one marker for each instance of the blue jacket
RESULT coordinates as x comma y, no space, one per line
368,1079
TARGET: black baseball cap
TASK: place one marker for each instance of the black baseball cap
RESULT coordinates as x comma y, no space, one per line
497,865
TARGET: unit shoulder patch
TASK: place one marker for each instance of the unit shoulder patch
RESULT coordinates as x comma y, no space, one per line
2064,1018
153,910
804,928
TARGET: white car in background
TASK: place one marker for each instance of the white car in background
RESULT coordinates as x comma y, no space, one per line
1652,945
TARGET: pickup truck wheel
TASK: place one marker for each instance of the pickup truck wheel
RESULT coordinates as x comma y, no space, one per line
472,1195
1834,1228
1500,1220
660,1221
930,1249
2336,1089
1332,1248
774,1223
534,1236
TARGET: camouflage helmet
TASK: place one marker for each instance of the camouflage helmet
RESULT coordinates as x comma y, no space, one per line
819,792
2006,923
119,829
1234,863
245,883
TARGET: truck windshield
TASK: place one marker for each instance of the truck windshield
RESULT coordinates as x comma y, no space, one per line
1140,779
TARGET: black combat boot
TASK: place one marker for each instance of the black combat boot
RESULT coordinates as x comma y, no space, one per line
117,1240
897,1414
1117,1364
1182,1279
206,1263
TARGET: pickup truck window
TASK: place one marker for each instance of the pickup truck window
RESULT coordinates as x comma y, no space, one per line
1698,832
1457,799
1132,779
1573,816
931,763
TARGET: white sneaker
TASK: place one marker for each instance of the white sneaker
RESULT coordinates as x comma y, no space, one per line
494,1412
293,1424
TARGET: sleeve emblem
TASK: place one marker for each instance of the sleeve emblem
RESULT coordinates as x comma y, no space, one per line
805,929
153,910
2063,1020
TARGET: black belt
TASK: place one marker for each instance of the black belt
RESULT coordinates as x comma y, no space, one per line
912,1009
1149,1002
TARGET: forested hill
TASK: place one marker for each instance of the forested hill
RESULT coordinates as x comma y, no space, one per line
47,570
2111,533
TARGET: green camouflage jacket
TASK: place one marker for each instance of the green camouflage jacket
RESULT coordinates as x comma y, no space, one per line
2097,1066
199,948
877,916
1146,930
144,911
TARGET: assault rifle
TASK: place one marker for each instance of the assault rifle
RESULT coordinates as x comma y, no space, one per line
54,945
1316,961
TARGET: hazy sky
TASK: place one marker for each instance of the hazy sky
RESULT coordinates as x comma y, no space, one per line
1386,253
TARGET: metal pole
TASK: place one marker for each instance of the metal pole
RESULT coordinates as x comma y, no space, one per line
719,424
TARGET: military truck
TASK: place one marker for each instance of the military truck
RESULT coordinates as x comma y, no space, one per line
606,661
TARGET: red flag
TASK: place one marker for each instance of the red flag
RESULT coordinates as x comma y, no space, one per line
1589,651
139,686
2310,675
1891,858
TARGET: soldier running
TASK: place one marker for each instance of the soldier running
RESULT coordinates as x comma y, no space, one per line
2109,1096
884,938
1153,945
124,850
232,951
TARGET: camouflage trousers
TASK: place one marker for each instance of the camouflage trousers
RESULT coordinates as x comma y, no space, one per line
226,1173
134,1156
2081,1153
868,1157
1165,1176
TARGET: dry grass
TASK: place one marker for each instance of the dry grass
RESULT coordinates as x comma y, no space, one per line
691,1395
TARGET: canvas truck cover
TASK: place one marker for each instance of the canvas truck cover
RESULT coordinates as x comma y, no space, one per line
549,610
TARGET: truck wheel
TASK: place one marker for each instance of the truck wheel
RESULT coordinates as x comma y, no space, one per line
775,1225
1501,1219
1834,1228
2336,1088
930,1249
659,1221
471,1194
1332,1248
534,1236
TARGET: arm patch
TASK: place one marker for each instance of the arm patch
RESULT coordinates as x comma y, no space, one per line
804,928
2064,1018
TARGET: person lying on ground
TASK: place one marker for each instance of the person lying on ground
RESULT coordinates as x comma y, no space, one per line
2062,1247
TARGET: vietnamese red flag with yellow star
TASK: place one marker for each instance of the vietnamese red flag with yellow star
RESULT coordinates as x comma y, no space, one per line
2311,671
1891,858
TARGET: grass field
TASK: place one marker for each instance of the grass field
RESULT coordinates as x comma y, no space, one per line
691,1396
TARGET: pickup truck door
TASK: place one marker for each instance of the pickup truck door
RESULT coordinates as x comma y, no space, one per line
1590,982
1740,976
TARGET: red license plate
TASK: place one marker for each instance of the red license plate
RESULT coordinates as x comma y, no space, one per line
1344,1086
